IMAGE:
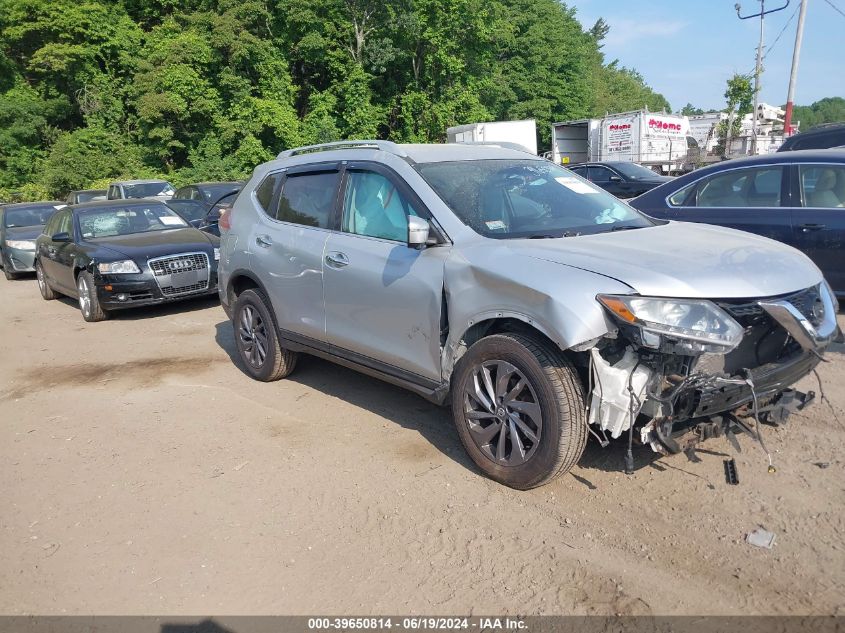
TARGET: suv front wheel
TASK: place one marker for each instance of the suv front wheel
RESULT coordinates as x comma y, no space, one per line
257,339
518,406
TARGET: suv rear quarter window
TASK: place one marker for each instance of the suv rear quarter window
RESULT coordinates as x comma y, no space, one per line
266,190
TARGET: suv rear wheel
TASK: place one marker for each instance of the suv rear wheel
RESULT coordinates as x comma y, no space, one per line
257,339
518,407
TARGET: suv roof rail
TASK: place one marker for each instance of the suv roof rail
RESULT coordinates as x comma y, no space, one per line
384,146
503,144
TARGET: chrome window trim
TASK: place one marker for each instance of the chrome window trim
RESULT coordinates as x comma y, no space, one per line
724,171
783,164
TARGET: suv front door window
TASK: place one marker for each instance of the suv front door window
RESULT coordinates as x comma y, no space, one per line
383,298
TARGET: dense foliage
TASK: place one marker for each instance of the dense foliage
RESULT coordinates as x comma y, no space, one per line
206,89
827,110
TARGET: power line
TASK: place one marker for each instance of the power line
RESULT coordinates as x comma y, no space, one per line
772,45
835,8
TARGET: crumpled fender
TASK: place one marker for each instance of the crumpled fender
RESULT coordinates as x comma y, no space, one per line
491,281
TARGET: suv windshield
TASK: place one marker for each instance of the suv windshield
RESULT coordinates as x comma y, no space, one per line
147,189
526,198
31,216
119,220
634,171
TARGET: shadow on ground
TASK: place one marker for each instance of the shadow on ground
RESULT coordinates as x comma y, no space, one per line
151,312
435,423
399,406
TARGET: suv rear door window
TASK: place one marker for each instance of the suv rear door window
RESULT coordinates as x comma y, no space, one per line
308,199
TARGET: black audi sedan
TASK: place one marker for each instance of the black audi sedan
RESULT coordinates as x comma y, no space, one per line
620,178
793,197
119,254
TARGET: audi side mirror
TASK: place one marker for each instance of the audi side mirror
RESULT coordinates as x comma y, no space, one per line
418,229
64,236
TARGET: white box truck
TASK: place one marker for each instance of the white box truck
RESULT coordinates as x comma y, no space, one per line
659,141
523,133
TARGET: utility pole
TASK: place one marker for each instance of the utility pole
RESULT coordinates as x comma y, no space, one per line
793,75
759,66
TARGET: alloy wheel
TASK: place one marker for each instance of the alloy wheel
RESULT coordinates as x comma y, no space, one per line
253,335
39,275
84,296
503,413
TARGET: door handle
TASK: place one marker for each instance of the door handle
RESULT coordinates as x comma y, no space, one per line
812,227
264,241
337,260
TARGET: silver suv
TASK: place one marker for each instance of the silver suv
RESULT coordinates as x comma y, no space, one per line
539,306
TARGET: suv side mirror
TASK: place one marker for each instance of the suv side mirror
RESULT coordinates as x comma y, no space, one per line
64,236
418,229
615,179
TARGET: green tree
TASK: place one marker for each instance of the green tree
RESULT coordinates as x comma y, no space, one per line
739,96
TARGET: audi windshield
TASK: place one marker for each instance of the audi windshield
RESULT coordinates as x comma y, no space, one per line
124,220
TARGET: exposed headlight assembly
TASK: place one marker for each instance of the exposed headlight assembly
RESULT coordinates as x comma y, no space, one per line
118,268
21,245
688,326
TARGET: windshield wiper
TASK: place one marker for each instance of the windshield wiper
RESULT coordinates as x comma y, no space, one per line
625,227
549,236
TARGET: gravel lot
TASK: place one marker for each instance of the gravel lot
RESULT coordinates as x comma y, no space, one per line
143,472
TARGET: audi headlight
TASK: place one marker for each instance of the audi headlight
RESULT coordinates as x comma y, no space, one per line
21,245
217,254
681,325
118,268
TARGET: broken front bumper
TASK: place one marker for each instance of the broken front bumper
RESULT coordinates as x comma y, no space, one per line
783,341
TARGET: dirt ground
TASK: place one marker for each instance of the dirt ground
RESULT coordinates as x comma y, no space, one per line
143,472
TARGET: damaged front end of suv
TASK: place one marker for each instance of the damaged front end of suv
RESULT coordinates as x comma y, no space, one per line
678,371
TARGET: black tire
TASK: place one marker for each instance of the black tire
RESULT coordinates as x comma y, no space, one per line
550,381
257,340
8,274
47,293
89,303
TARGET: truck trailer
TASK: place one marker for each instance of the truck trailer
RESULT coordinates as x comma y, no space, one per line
661,142
522,133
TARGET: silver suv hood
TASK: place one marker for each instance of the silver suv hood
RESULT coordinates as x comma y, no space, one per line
683,260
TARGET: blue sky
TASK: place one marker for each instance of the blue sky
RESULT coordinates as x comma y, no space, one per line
687,49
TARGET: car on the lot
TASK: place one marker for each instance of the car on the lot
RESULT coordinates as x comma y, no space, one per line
86,195
822,136
20,224
198,214
539,305
794,197
622,179
217,198
120,254
128,189
208,192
